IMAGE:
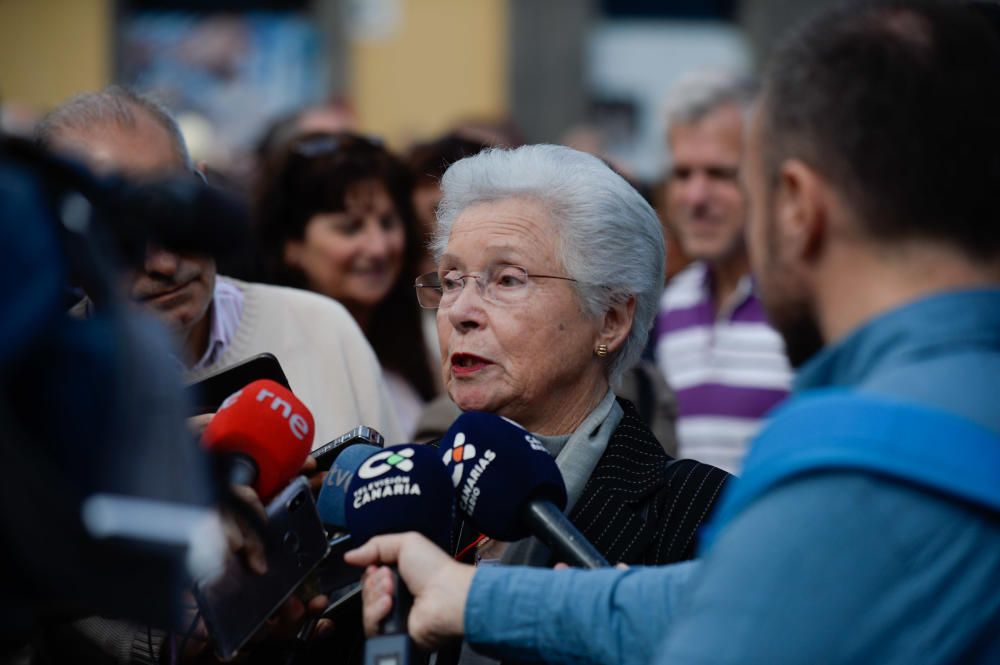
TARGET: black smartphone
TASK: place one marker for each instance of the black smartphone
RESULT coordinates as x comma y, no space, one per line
236,603
340,583
208,394
327,453
333,575
344,600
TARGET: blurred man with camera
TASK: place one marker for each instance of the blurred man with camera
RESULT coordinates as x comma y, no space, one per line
221,321
217,322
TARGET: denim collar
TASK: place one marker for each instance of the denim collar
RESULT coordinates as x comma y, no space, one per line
915,331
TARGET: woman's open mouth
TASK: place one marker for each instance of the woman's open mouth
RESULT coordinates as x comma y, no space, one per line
466,363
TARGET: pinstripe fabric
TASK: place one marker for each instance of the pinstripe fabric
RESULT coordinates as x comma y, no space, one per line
640,506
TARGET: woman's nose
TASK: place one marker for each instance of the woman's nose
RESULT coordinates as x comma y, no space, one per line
467,312
376,240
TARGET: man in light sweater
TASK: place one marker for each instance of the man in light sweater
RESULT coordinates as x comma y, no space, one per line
221,321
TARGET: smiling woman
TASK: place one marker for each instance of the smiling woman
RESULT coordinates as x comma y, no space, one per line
334,216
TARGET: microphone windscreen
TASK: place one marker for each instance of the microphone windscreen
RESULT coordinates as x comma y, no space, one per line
496,467
270,425
402,488
333,496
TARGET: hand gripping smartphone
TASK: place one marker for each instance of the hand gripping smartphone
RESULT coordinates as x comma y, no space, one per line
236,603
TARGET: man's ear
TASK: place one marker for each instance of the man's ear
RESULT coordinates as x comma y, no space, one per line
617,324
801,210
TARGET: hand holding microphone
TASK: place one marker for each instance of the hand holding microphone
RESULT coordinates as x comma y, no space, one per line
439,585
402,488
260,437
509,487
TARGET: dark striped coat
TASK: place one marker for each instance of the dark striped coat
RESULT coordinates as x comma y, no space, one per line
641,506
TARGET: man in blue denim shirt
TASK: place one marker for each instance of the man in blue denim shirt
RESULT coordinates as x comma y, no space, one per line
866,527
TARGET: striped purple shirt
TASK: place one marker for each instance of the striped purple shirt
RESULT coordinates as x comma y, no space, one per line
727,370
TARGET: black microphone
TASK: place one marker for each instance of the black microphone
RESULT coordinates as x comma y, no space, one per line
402,488
509,486
334,577
332,500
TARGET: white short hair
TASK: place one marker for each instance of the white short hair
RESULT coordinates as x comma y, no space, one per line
697,94
609,238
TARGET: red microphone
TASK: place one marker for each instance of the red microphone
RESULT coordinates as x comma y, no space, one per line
265,432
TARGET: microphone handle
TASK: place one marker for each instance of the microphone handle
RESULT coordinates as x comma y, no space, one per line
553,528
402,600
393,645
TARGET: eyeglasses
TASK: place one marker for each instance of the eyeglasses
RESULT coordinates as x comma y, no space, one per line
499,284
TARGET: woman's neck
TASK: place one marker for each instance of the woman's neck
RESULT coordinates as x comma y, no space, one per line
566,417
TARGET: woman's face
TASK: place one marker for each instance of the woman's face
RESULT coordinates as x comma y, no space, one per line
531,360
354,256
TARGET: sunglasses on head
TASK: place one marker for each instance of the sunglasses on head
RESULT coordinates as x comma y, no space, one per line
326,144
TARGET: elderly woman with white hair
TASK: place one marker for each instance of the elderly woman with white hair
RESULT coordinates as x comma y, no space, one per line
550,267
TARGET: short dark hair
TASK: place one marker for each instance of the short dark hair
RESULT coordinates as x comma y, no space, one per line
114,105
898,104
430,160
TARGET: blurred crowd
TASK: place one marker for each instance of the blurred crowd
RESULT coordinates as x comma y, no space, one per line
340,213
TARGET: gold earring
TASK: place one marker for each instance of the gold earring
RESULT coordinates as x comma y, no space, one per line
602,350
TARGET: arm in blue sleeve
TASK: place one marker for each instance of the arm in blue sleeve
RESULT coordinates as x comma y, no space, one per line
840,568
573,616
836,567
